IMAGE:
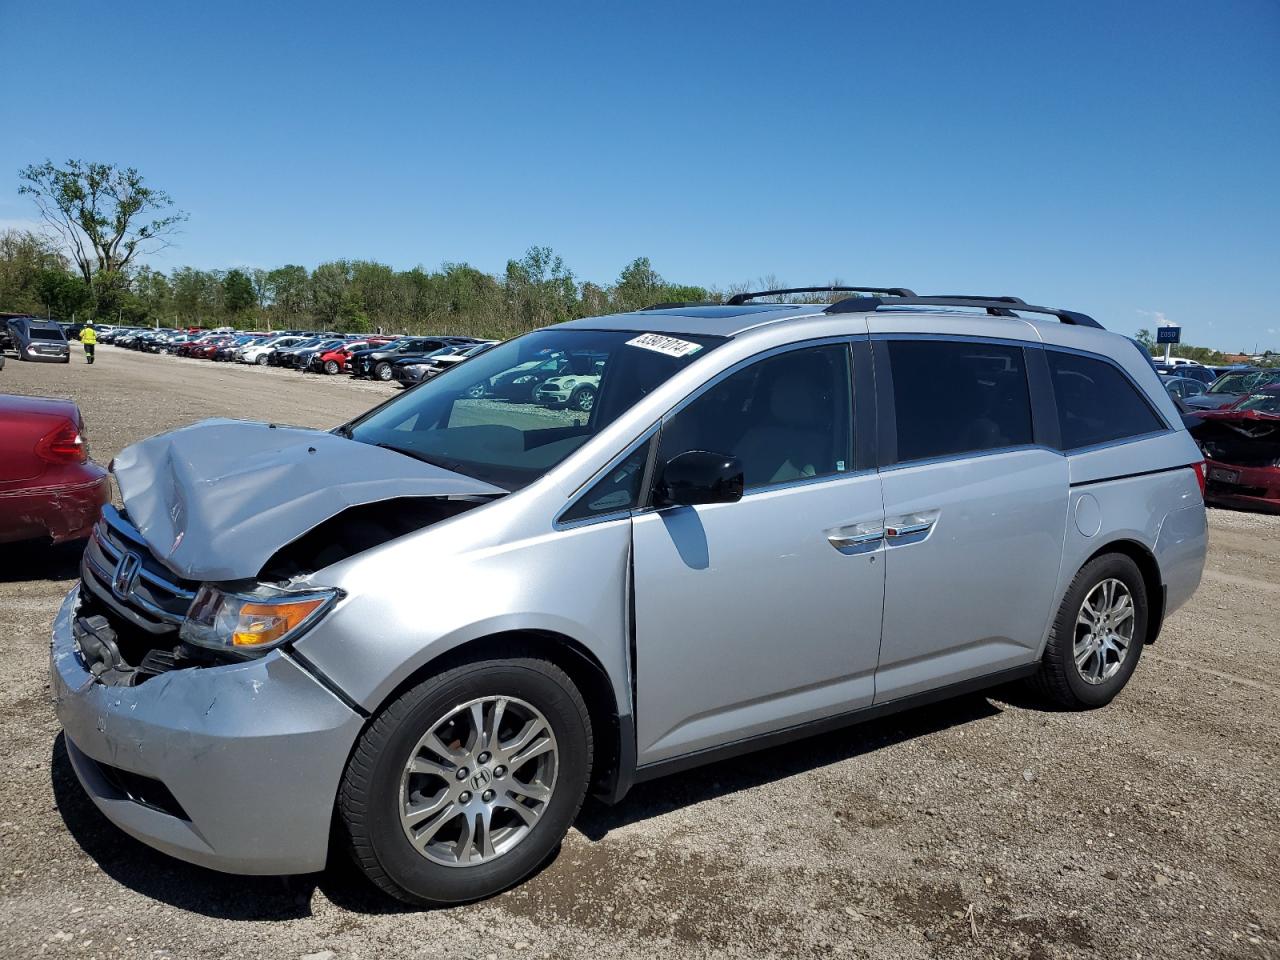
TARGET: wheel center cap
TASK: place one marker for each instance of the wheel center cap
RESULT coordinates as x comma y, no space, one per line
480,779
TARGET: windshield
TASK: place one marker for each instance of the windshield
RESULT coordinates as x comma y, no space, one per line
515,411
1235,382
1268,402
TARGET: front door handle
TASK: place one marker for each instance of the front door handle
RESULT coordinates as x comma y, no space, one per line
857,535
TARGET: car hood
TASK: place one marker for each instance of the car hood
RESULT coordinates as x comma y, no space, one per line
214,501
1212,401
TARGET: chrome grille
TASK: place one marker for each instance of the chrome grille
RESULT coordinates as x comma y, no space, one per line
120,570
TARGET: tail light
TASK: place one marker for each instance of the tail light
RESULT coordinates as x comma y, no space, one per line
1200,468
64,444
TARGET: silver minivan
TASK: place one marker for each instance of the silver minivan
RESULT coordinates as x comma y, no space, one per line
438,626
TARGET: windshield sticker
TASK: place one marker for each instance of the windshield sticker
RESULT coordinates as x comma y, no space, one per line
668,346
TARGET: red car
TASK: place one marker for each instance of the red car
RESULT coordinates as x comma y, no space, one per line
206,350
1241,445
49,488
338,360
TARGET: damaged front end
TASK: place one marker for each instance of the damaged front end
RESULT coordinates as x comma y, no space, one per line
1242,450
224,523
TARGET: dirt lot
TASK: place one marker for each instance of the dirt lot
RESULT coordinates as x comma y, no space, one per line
986,827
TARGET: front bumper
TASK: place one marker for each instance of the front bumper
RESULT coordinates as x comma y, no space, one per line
250,753
408,376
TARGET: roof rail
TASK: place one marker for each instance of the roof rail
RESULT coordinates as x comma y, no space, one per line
996,306
672,304
740,298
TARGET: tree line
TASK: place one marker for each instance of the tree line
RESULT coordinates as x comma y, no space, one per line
356,296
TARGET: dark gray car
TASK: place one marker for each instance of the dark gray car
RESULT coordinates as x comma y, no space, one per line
41,341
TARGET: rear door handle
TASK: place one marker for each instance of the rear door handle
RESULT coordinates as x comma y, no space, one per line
909,526
857,535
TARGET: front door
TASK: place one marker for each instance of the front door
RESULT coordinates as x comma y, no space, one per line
762,614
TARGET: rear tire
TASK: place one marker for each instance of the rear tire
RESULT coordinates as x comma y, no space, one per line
397,767
1090,656
262,360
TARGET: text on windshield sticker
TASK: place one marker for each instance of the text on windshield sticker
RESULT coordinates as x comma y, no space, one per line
670,346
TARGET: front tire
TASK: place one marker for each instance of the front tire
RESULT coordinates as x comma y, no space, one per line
466,783
331,367
1097,637
382,371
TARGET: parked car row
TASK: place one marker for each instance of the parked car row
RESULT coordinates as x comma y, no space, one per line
407,360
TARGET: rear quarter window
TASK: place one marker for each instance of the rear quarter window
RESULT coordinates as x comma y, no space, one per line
1097,403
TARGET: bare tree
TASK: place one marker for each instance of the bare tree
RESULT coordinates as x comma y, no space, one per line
101,212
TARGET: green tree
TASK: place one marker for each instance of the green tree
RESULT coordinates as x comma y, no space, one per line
638,286
106,216
287,293
24,258
64,294
238,296
1145,338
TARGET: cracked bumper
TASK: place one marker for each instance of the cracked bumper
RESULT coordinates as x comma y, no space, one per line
252,752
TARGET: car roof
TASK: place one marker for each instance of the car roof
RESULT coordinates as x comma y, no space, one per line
716,321
735,320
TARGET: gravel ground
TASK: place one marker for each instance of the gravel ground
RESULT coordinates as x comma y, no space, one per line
984,827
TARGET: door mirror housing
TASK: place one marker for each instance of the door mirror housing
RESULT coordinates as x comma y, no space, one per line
699,476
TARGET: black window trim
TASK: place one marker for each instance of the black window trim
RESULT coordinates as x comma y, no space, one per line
1060,447
848,341
1044,419
863,421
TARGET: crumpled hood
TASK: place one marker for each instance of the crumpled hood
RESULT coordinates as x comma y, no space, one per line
214,501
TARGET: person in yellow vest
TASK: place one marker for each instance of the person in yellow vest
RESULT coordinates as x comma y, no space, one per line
89,340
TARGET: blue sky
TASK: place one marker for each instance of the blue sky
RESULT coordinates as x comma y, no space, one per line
1118,158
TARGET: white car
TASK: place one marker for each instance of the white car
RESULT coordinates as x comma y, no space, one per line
575,391
257,353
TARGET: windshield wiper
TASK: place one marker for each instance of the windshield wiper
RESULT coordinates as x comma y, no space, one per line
452,465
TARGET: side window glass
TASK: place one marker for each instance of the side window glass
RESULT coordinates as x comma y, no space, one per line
786,417
952,397
619,489
1096,402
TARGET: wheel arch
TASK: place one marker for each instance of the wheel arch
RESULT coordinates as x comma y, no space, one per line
1149,567
613,754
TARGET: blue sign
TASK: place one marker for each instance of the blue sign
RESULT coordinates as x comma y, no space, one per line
1168,334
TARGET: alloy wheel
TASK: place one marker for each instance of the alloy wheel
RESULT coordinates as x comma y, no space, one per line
1104,631
478,781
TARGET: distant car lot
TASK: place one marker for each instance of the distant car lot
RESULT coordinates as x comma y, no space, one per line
1164,809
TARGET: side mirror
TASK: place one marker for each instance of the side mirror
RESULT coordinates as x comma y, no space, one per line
699,476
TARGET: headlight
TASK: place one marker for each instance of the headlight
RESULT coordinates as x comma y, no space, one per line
255,621
522,379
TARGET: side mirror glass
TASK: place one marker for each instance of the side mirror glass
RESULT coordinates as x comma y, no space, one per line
699,476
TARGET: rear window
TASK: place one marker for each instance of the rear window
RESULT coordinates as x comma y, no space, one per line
1096,402
45,333
953,397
